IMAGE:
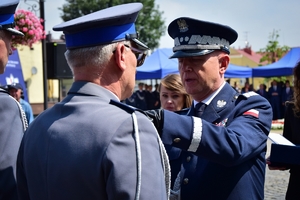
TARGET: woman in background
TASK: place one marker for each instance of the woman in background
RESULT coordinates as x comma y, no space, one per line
291,131
172,94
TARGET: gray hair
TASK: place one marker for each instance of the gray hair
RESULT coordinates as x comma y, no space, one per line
90,56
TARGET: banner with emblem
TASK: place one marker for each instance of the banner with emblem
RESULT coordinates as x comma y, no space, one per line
13,73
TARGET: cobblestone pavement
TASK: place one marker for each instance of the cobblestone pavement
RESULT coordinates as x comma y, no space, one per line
276,181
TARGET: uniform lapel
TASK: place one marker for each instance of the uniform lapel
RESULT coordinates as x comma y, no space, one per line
221,101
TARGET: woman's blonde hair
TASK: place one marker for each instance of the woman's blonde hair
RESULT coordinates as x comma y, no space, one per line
173,83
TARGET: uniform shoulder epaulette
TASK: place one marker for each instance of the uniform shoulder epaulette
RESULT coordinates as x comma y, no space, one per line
249,94
123,106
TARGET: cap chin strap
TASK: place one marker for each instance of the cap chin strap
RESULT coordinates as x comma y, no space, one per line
6,26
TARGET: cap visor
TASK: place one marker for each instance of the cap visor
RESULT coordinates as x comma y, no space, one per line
140,45
190,53
14,31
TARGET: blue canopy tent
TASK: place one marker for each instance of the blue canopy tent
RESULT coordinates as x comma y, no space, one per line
283,67
13,73
235,71
158,65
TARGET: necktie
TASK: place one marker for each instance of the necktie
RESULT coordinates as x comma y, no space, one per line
199,109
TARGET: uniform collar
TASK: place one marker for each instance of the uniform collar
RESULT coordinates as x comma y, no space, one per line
212,96
91,89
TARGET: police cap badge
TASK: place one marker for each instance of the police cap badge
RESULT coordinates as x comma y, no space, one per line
194,37
7,20
105,26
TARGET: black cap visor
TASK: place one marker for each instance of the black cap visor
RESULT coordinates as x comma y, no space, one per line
134,38
14,31
190,53
141,46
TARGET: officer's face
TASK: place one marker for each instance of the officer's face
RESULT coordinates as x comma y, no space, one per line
5,49
202,75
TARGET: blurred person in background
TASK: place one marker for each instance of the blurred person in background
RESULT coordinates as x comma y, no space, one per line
140,97
287,95
16,91
246,88
156,97
149,96
262,90
275,98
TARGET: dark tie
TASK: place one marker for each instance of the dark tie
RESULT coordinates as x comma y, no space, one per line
199,108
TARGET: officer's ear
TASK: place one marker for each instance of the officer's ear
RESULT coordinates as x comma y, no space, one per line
224,62
120,56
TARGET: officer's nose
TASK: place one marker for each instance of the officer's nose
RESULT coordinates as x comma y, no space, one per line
185,65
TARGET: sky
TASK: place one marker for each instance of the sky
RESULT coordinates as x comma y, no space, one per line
254,20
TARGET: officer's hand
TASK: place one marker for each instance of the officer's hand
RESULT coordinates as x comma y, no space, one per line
157,118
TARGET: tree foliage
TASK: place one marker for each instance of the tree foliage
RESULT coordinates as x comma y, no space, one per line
273,51
149,24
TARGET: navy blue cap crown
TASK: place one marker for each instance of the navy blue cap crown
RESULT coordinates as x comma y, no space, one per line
15,85
103,27
7,11
194,37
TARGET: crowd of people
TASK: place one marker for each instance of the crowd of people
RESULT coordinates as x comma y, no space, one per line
277,94
205,140
145,97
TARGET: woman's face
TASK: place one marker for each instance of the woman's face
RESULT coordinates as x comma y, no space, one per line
171,100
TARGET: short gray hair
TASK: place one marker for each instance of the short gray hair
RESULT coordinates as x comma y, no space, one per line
90,56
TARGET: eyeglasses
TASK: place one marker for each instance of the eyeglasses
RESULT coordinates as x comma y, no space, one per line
140,55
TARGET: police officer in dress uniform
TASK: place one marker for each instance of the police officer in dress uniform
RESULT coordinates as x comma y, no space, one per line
90,145
221,155
12,124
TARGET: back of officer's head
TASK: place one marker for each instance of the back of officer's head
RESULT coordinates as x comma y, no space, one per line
94,36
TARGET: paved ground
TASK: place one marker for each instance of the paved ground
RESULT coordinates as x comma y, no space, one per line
276,181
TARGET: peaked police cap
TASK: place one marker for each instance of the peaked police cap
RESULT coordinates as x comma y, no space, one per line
7,20
105,26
